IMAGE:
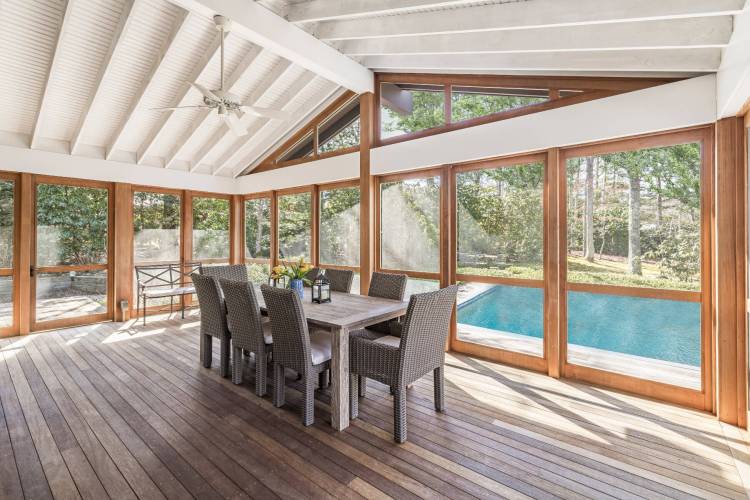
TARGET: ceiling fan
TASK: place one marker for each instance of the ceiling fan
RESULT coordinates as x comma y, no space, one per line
228,106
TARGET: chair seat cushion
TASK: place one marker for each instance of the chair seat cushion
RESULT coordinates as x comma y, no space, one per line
320,346
389,340
266,324
166,292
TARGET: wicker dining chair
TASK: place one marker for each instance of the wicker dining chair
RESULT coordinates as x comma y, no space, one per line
234,272
398,362
213,321
295,347
251,332
340,280
312,274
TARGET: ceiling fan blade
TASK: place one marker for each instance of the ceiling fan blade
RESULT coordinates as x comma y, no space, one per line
177,107
234,124
203,90
274,114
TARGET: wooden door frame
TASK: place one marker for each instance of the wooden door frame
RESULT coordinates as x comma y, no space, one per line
14,271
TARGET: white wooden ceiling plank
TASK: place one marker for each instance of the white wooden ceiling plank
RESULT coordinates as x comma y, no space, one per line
126,20
524,15
178,30
325,10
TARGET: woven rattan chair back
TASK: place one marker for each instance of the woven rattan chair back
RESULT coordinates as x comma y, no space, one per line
387,286
291,339
340,280
234,272
244,314
213,311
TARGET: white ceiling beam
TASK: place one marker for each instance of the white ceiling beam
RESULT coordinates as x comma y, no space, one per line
245,66
703,32
123,25
325,10
282,133
180,99
66,10
238,146
524,15
733,78
688,60
260,26
167,48
262,89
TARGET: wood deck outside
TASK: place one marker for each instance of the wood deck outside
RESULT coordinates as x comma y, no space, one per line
116,411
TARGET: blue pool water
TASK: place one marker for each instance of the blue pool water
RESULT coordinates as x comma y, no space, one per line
660,329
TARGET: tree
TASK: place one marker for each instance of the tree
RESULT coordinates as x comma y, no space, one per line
588,219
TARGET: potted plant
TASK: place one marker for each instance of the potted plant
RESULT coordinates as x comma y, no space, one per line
297,274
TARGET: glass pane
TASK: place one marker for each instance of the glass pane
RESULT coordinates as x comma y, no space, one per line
303,148
474,102
6,301
156,227
258,228
71,225
339,227
653,339
341,129
70,294
502,316
410,108
634,218
210,228
355,284
258,273
410,225
295,219
414,285
500,221
156,301
7,213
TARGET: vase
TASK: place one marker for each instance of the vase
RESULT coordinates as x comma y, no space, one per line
299,287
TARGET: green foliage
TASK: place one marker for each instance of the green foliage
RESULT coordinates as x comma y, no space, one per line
6,223
339,226
295,218
72,224
468,106
155,211
210,228
347,137
428,111
258,228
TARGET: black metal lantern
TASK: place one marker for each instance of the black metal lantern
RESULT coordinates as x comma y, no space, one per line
321,289
277,281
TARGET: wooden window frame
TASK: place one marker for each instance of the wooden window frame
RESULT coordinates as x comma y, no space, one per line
14,271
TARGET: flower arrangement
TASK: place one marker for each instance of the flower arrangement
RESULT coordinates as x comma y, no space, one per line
296,270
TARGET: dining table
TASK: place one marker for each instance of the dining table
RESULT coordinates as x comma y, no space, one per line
345,312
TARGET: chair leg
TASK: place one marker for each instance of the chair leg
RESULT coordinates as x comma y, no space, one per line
145,309
236,365
354,395
308,403
278,385
399,414
362,383
206,350
261,368
323,379
438,376
224,357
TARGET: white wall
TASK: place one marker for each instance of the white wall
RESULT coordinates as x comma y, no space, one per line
18,159
336,168
733,78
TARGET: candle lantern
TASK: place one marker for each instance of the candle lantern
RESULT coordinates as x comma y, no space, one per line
277,281
321,289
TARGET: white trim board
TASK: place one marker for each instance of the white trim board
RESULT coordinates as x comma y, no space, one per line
733,78
335,168
666,107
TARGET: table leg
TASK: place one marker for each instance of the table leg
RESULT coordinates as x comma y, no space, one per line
340,378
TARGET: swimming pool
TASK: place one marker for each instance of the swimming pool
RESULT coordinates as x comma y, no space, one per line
665,330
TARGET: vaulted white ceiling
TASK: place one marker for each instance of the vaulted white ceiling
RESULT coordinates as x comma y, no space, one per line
81,77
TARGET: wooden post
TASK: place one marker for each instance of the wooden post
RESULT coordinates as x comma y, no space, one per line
730,265
236,229
315,226
25,226
123,249
367,192
552,262
274,229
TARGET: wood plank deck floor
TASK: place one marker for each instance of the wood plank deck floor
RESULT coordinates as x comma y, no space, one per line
124,411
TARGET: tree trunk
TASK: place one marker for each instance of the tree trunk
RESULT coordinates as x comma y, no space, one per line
659,203
634,225
588,219
259,226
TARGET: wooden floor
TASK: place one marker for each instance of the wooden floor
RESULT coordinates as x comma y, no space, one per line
118,411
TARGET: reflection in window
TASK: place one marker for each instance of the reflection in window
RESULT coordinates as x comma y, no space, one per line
71,225
500,221
304,148
6,301
474,102
414,285
410,225
7,219
295,221
210,228
258,228
339,226
634,218
341,129
156,227
410,108
258,272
